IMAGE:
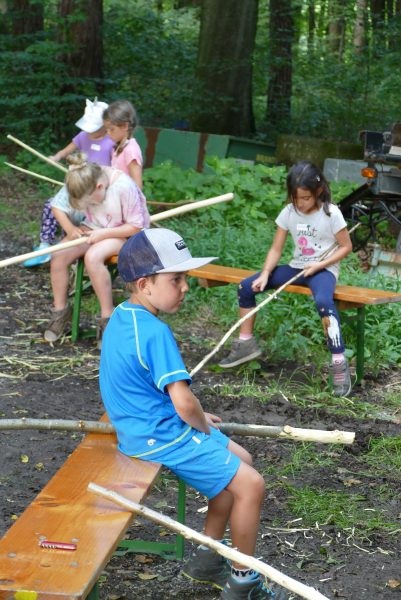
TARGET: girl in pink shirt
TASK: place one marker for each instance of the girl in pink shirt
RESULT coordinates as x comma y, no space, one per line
114,209
120,121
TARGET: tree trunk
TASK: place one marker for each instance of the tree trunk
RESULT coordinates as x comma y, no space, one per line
359,30
281,33
224,68
27,16
378,12
336,29
82,31
311,25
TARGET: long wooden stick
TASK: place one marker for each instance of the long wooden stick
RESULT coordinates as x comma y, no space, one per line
269,298
60,183
38,154
285,432
230,553
153,219
38,175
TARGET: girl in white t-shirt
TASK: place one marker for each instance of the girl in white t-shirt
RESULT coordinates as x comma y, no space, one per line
314,224
115,209
120,120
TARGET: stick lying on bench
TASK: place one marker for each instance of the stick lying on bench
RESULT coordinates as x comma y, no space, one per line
285,432
253,563
173,212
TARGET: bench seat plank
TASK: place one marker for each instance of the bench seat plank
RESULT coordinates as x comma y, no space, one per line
65,511
345,293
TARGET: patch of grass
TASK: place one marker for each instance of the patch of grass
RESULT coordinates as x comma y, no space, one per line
384,455
345,511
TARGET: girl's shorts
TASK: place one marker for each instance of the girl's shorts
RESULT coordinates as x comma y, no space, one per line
203,462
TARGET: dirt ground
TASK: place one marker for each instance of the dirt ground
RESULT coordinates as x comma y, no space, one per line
41,381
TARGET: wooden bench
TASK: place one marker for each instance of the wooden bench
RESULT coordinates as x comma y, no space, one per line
347,297
65,511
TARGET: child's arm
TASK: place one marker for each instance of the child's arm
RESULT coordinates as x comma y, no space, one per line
135,172
72,231
64,152
344,248
122,231
188,406
272,258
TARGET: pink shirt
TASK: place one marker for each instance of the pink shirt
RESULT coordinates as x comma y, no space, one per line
124,203
131,151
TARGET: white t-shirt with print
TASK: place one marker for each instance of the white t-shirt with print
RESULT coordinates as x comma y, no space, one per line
313,234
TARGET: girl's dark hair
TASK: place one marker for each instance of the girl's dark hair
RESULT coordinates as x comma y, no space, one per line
305,174
119,113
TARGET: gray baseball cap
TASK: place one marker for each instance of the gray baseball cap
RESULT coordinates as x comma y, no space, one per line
154,251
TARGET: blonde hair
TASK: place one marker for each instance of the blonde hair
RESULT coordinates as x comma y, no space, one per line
119,113
81,179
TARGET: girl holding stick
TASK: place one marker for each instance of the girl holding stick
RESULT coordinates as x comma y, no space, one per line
114,209
314,224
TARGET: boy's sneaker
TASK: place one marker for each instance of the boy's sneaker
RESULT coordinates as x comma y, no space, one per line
341,378
101,324
242,351
258,588
206,566
58,323
38,260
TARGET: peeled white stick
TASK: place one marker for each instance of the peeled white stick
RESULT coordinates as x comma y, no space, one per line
180,210
38,154
21,257
271,431
173,212
60,183
269,298
234,555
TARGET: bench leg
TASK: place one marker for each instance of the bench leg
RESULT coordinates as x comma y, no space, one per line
76,311
360,343
164,549
94,593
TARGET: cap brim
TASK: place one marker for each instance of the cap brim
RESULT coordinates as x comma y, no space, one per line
88,127
188,265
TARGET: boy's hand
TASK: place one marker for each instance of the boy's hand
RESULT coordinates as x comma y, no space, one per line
212,420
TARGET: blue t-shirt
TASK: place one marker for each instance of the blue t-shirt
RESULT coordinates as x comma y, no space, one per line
139,358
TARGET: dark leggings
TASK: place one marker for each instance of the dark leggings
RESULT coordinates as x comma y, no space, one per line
49,224
322,285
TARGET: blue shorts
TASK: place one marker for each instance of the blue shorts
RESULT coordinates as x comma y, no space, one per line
203,462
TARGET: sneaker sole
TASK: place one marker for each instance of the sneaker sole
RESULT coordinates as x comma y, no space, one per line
241,361
204,581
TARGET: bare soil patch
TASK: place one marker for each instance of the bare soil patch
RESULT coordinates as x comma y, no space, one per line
39,381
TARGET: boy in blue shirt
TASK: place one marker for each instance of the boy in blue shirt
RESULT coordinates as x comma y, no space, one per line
145,388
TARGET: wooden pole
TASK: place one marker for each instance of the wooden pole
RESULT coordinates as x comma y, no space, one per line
269,298
230,553
38,154
283,432
60,183
39,176
153,219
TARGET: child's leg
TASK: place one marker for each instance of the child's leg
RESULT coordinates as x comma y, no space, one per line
59,273
95,258
49,225
322,285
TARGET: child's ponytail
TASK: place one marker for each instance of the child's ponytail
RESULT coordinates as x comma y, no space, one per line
81,179
121,112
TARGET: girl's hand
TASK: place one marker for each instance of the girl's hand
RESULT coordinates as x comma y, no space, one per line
312,269
260,282
74,232
55,158
212,420
96,235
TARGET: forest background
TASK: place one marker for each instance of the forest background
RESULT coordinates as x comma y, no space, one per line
251,68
